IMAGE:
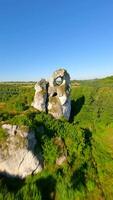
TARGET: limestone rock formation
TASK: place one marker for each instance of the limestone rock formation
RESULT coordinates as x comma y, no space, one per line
59,91
40,97
17,156
54,96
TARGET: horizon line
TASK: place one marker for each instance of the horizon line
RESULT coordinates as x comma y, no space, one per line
72,79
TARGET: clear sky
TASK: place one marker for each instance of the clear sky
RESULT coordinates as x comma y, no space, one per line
39,36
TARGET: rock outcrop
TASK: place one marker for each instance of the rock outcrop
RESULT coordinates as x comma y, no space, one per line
54,96
17,152
40,97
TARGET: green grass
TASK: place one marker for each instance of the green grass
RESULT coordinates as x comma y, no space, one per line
86,140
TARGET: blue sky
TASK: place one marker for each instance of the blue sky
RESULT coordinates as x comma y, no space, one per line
39,36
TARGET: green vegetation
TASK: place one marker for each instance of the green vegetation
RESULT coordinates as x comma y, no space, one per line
86,141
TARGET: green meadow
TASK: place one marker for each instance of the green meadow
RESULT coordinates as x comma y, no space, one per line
86,141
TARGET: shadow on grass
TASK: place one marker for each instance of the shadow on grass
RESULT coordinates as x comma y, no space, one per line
47,187
87,137
12,184
79,176
76,107
78,179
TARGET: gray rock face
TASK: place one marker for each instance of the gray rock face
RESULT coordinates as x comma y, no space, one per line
40,97
54,97
17,156
59,94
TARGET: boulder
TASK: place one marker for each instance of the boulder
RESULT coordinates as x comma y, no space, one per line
17,152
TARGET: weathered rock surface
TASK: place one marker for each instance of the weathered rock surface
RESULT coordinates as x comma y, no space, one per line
40,97
54,96
59,94
17,157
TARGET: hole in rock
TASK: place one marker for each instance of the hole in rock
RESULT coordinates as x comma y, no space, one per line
59,80
54,94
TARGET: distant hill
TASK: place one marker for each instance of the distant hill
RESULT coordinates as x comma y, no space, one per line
107,81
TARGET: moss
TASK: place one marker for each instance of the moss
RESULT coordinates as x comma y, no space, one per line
3,134
24,128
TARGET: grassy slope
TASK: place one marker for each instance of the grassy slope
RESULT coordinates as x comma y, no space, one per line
89,135
95,110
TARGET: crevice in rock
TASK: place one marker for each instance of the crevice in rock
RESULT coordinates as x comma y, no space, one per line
47,98
33,172
22,161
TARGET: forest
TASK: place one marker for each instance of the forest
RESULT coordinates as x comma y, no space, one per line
86,140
